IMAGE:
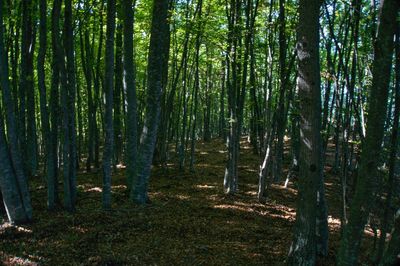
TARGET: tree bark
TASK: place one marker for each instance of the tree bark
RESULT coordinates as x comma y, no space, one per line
360,207
13,183
130,88
28,120
303,248
391,256
46,134
394,144
109,87
155,70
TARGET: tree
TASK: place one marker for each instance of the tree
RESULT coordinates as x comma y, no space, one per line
130,88
281,119
109,87
27,125
155,71
8,185
51,166
234,97
394,152
68,159
196,86
13,183
71,95
303,248
371,150
391,256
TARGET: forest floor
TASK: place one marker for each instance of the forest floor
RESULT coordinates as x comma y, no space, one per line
190,221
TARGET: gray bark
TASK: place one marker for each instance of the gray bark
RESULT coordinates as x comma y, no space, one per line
303,248
155,71
109,87
13,183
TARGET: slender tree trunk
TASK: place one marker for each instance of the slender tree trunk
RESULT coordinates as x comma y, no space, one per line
56,118
185,97
46,134
281,119
109,87
130,88
86,56
117,96
222,124
97,84
27,107
64,98
234,89
208,103
70,59
196,89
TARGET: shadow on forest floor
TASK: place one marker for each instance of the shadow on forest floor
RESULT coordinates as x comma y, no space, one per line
189,222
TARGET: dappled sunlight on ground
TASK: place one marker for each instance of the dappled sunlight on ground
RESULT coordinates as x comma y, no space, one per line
190,221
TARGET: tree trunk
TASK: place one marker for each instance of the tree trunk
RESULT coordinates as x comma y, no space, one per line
27,89
391,256
109,88
360,207
303,248
281,119
70,60
14,188
394,142
9,188
46,134
64,98
196,89
155,70
117,97
130,88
